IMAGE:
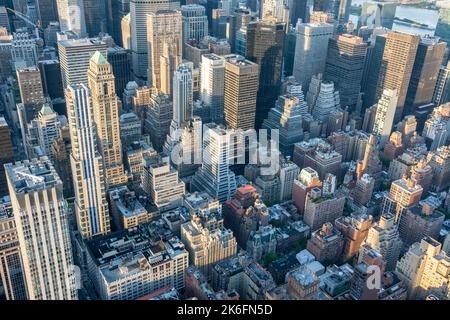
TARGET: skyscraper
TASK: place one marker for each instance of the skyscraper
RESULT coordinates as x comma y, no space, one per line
105,107
139,9
215,176
164,35
11,270
96,18
345,65
286,117
74,57
384,238
31,92
424,74
212,85
71,16
241,86
441,92
182,95
46,12
384,118
119,59
36,194
393,69
265,44
424,269
91,208
7,154
160,181
158,116
311,50
195,22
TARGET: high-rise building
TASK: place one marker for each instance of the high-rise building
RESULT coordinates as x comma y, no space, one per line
441,93
36,193
393,69
439,161
215,176
359,290
425,270
139,9
208,243
74,57
125,30
286,117
119,59
345,65
384,117
182,95
7,154
91,208
302,284
420,221
241,86
161,182
404,193
326,100
49,128
46,12
105,109
354,230
423,174
321,208
141,267
212,85
164,35
95,17
264,46
71,16
424,74
118,10
30,86
311,50
364,186
51,78
61,150
195,22
11,269
326,244
306,180
385,239
158,116
24,51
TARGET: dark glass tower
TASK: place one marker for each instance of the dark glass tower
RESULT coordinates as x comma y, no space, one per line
265,44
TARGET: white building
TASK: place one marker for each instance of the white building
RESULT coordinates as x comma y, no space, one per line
214,176
161,182
385,239
90,204
212,82
384,117
36,193
182,95
311,50
129,265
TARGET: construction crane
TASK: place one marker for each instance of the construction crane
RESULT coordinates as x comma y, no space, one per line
25,18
